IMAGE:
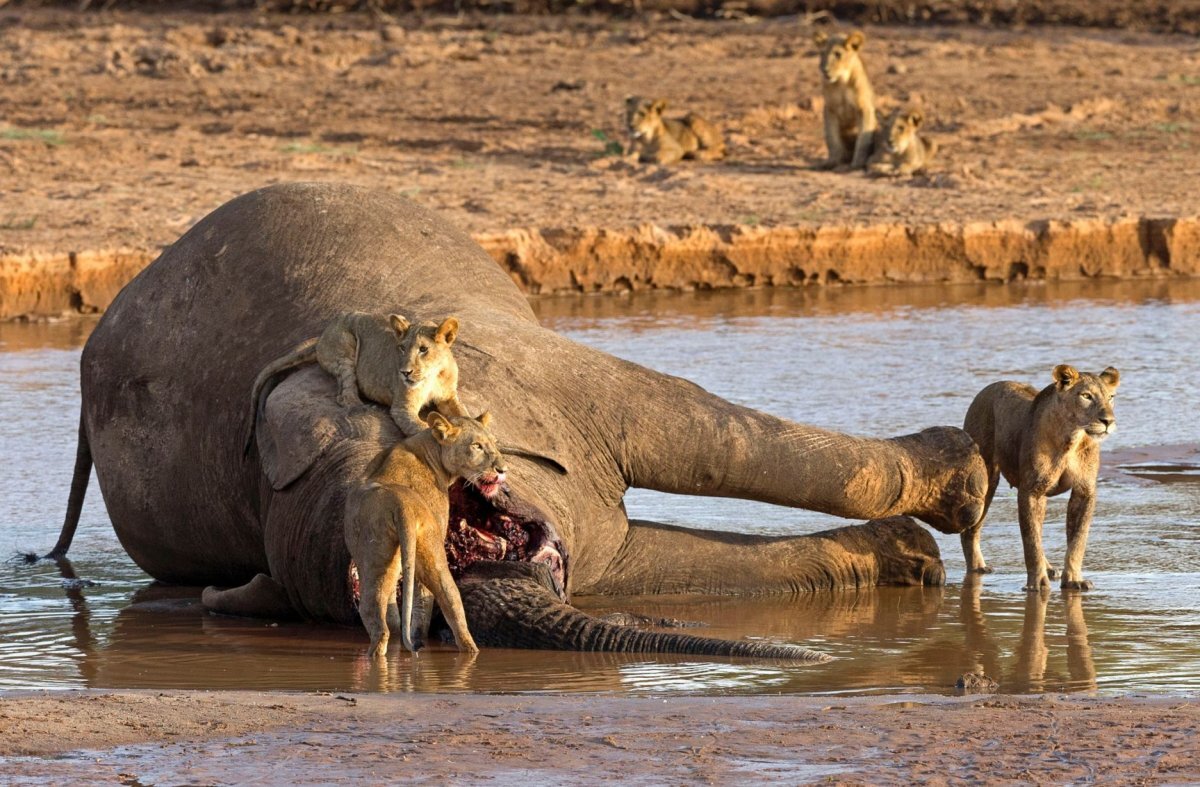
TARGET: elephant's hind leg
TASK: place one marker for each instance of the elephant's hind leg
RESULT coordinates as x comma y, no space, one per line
261,597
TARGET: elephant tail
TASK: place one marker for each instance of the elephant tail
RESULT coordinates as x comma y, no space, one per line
408,565
302,353
510,605
79,485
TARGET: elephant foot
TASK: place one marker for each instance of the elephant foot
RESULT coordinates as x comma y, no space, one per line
261,597
948,488
907,554
1077,584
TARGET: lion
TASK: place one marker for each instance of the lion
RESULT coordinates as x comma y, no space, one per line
396,523
1044,443
899,148
384,357
850,121
668,141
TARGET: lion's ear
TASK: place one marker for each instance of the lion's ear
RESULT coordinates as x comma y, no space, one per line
484,419
820,38
448,331
916,117
855,40
1111,377
399,323
443,430
1065,375
659,105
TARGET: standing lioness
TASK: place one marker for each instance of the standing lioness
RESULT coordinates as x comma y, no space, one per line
1044,443
850,120
396,522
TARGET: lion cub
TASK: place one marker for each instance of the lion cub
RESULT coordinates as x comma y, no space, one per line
396,522
899,149
850,121
1044,443
386,358
667,141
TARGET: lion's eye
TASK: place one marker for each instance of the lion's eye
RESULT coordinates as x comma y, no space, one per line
1087,397
424,350
477,446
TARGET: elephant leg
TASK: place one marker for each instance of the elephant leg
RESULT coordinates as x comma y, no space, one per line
261,597
664,559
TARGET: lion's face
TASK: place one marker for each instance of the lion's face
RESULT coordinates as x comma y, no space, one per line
900,130
424,349
642,116
469,451
1087,399
839,54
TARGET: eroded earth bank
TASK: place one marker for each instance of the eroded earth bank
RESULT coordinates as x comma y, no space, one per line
1067,152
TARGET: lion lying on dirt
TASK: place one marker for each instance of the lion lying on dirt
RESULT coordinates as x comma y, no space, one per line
899,148
850,121
385,357
396,523
1044,443
654,138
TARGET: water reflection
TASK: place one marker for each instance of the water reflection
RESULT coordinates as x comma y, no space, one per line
886,640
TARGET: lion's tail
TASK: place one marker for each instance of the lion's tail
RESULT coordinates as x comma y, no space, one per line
302,353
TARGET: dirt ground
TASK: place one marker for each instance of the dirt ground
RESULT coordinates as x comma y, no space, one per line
119,130
203,738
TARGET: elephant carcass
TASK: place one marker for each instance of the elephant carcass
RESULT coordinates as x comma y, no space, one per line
166,373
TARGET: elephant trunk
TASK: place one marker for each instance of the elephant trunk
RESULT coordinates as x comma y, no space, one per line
513,605
683,439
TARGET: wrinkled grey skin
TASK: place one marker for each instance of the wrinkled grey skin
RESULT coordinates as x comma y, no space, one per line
166,373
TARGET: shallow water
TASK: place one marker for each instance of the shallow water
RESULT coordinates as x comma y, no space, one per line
868,361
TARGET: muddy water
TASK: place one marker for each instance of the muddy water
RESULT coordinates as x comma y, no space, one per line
868,361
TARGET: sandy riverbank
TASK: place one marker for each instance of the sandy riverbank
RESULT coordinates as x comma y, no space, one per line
1068,152
240,737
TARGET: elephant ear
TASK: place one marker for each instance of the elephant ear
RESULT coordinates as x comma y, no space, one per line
302,420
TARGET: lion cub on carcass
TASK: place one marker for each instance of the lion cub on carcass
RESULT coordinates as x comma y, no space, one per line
388,359
1044,443
850,121
899,148
667,141
396,522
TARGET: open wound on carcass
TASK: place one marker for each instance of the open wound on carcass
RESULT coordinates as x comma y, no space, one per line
499,528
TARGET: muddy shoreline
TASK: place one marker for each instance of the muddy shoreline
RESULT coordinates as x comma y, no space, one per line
155,737
596,260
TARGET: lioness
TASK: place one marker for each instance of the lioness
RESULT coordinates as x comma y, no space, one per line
385,357
850,121
899,149
667,141
396,523
1044,443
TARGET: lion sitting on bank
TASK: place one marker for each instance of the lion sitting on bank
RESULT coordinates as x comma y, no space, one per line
396,523
899,148
386,358
654,138
1044,443
850,121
